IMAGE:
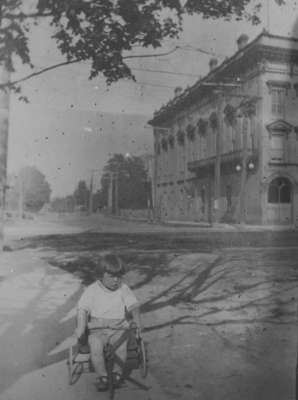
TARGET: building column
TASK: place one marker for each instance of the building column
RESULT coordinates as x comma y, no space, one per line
218,149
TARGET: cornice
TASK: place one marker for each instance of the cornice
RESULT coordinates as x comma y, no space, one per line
254,53
279,126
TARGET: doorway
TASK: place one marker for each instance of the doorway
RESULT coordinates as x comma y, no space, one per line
279,201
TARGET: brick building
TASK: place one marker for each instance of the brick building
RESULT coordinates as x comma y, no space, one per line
226,149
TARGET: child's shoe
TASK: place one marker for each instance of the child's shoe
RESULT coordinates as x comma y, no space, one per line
101,383
117,379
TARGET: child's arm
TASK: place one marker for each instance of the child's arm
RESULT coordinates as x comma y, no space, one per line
136,315
82,319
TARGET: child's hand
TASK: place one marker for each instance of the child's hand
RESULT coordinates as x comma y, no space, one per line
139,332
78,333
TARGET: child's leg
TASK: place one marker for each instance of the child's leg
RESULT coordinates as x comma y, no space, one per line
96,343
121,352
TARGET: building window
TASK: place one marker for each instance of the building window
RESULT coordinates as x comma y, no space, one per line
279,132
278,91
280,191
278,99
277,147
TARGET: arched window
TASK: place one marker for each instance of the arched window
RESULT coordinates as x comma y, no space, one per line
280,191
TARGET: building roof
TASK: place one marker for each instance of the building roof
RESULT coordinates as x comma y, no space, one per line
265,44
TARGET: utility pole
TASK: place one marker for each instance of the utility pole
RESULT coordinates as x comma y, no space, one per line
209,195
4,122
110,193
113,193
218,145
155,166
91,193
21,196
296,394
243,170
116,192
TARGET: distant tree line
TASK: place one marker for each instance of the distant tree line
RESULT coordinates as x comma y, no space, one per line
127,173
28,190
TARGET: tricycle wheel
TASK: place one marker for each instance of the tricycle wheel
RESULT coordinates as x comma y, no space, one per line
74,368
143,359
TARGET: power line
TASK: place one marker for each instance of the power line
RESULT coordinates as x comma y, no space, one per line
198,50
166,72
154,84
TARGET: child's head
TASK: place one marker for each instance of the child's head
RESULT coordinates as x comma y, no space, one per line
112,270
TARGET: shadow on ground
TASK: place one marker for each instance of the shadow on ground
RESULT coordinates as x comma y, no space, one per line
180,283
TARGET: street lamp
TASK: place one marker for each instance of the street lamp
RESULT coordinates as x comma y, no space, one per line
251,165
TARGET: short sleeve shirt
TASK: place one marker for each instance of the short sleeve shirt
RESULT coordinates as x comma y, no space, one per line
100,302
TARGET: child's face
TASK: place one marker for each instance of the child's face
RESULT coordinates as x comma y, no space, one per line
110,281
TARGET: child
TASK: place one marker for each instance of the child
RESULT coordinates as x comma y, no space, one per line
103,309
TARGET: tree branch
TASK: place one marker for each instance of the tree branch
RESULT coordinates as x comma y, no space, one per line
21,16
52,67
25,78
152,55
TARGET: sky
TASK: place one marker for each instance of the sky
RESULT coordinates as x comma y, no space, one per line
72,125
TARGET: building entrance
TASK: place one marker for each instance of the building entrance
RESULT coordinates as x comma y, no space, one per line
279,202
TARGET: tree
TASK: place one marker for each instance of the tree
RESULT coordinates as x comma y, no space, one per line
63,204
81,194
35,189
98,201
130,176
101,30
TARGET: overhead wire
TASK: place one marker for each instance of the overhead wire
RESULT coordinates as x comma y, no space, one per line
154,84
165,72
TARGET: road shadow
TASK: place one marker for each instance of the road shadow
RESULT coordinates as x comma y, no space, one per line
207,289
202,241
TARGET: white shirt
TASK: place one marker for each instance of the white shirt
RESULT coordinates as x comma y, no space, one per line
100,302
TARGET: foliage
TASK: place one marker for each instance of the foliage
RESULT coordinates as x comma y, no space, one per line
181,137
213,120
35,188
130,175
81,194
78,200
102,30
230,115
202,126
190,132
171,141
98,201
164,144
63,204
248,107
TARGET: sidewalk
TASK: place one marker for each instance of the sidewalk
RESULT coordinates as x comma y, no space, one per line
206,226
